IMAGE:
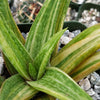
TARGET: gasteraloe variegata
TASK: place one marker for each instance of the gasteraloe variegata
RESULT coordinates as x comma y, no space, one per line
40,76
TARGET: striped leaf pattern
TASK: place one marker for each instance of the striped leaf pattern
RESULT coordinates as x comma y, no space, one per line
48,21
5,14
43,56
15,88
60,85
9,66
8,19
1,80
40,44
85,68
14,50
71,57
91,31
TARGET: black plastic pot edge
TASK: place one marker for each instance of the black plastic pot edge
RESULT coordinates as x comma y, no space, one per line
24,27
76,6
72,26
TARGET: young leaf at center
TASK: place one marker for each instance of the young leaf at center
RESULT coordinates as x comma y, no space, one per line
43,56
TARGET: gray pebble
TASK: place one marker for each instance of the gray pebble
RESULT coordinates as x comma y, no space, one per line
85,84
89,17
24,35
64,40
93,1
97,89
98,82
94,78
91,92
78,1
1,65
71,35
96,97
76,32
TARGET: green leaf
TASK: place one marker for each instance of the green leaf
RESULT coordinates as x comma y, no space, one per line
32,70
1,80
43,56
47,22
60,85
5,13
91,31
14,50
8,19
9,66
72,56
85,68
15,88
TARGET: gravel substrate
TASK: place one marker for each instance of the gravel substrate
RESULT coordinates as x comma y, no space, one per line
71,14
90,17
93,1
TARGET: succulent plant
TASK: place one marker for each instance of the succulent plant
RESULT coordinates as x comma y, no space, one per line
27,11
38,70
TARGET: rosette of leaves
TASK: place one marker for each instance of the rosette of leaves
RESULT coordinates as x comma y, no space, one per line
35,73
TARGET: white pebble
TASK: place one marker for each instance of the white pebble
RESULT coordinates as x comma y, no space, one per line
1,65
64,40
71,35
91,92
97,89
85,84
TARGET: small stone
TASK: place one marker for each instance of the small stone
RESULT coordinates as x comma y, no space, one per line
85,84
96,97
78,1
91,92
27,34
94,78
98,82
16,3
88,76
98,14
24,35
89,17
97,89
64,40
71,35
93,1
76,32
93,23
66,33
1,65
94,18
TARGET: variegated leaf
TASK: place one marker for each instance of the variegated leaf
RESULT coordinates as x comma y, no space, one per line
60,85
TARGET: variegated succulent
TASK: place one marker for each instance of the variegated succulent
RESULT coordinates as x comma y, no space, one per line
38,70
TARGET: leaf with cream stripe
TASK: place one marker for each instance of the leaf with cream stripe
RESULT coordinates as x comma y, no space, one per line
15,88
58,84
47,22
